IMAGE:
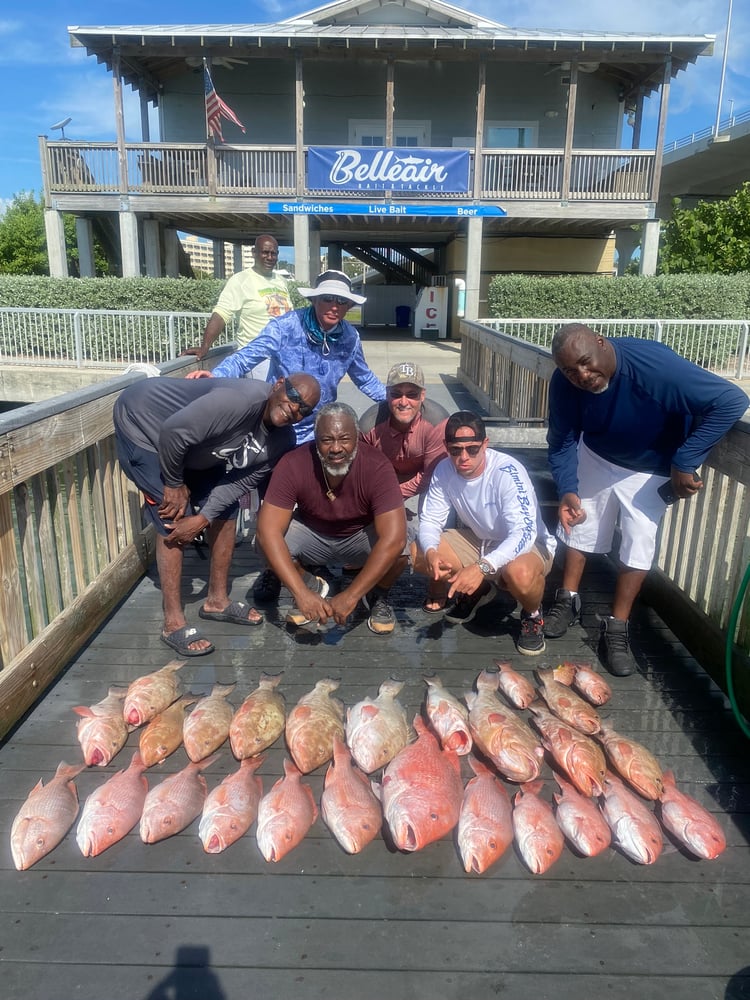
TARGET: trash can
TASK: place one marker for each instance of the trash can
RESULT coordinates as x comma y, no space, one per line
403,316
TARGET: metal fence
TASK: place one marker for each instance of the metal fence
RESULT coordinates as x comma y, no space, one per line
98,337
719,345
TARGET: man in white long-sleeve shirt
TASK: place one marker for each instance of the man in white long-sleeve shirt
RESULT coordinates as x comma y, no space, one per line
503,542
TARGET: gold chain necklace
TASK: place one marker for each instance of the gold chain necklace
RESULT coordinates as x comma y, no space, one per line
329,492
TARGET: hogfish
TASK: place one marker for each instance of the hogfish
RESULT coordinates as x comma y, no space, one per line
377,728
259,721
207,726
312,725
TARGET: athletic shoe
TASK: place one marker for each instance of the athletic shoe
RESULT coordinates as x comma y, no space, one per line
531,640
614,647
566,611
382,620
266,588
318,586
463,610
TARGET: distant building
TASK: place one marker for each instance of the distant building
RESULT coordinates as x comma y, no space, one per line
201,254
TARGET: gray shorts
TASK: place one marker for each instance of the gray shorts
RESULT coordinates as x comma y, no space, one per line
314,549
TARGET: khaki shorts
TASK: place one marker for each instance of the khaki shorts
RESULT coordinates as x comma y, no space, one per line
468,548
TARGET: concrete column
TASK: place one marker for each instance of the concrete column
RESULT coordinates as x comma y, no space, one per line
220,270
314,253
171,256
649,248
237,257
85,241
334,256
152,248
473,267
56,253
302,249
131,261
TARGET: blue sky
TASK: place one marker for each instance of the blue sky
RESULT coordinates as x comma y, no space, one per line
45,80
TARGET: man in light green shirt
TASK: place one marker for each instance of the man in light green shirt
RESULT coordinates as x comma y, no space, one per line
253,296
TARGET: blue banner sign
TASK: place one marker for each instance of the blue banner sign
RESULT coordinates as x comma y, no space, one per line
385,209
385,168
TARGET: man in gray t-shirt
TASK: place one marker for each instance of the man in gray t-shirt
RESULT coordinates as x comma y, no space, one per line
194,447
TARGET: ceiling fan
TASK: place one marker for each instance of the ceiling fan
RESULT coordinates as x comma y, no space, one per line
228,62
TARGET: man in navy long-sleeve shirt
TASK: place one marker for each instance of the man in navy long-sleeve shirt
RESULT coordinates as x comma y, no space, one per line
628,418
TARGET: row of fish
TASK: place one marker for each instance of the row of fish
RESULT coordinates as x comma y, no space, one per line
377,734
421,798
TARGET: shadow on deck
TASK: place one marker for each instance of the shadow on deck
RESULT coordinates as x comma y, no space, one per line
169,921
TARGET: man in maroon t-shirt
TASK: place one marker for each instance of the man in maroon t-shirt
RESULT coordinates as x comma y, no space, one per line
335,500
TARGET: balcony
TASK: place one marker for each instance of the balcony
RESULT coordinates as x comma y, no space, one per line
167,169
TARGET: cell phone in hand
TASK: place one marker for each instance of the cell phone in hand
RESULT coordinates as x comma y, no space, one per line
666,492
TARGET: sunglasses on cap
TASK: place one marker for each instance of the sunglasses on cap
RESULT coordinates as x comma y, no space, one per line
329,299
296,400
456,450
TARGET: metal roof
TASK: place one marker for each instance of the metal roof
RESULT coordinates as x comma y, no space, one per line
415,29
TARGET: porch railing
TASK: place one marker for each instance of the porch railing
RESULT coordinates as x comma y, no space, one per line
71,167
704,543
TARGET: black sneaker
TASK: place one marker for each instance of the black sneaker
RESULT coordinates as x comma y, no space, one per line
318,586
566,611
614,647
266,588
382,620
531,640
462,611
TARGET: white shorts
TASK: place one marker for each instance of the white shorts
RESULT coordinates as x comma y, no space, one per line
612,495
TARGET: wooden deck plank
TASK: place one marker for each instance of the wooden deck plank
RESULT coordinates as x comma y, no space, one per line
140,920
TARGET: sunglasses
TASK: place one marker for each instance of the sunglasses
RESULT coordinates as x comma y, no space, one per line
330,299
456,450
396,393
296,400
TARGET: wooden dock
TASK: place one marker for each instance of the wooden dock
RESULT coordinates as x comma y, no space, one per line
151,922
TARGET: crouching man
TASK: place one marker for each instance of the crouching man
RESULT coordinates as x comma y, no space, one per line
504,543
338,501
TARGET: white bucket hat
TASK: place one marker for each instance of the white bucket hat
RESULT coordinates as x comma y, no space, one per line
333,283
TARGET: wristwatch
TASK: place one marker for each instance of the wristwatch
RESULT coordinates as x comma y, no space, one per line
487,568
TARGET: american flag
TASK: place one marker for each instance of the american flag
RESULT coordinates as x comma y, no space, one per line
216,109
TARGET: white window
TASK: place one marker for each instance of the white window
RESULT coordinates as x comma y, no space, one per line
369,132
511,135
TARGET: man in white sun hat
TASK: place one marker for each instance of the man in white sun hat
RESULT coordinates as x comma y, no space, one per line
316,340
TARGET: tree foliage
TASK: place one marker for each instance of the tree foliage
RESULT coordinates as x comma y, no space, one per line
23,245
712,238
23,240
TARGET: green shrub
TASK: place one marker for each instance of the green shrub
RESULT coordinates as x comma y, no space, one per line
666,296
146,294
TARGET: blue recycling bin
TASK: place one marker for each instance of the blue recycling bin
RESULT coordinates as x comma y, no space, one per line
403,316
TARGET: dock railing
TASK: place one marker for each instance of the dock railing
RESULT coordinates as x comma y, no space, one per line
704,543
